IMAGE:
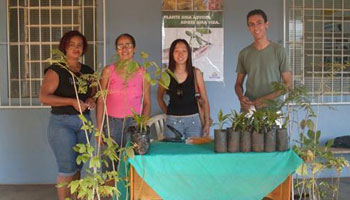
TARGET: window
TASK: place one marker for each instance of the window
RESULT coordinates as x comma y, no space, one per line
34,28
319,48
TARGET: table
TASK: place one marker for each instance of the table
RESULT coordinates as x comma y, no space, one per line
181,171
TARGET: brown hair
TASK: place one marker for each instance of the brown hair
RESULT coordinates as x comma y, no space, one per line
66,39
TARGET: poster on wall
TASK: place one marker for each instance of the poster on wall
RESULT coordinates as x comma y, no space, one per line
200,23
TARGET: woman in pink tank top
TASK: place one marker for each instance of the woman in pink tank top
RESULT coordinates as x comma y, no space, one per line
127,92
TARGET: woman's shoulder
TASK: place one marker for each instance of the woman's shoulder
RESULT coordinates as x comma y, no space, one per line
106,69
142,70
197,71
56,67
109,68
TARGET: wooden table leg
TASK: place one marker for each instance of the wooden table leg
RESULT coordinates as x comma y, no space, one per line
131,182
139,189
283,191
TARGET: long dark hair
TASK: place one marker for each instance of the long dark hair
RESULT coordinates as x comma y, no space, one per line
172,63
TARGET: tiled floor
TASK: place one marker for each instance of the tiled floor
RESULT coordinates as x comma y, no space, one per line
48,192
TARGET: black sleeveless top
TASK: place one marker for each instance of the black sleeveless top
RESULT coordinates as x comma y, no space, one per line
65,88
182,97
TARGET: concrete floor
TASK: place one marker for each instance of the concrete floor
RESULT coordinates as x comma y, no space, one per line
28,192
344,189
48,192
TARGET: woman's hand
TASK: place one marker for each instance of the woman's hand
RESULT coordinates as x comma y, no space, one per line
91,103
75,105
206,130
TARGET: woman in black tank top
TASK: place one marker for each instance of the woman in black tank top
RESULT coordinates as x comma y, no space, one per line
57,90
182,109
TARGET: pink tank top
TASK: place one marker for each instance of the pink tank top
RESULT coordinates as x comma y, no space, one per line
124,96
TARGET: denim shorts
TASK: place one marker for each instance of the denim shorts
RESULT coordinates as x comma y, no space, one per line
119,134
64,132
188,125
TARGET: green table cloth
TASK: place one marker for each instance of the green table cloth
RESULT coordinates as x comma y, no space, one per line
182,171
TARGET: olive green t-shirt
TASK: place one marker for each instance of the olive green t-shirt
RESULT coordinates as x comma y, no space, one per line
262,67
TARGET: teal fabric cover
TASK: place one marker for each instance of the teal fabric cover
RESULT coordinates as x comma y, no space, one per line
181,171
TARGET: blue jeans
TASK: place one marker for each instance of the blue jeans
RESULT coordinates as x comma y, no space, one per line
119,134
188,125
64,132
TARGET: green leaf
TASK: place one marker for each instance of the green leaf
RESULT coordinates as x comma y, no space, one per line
130,153
85,127
131,66
97,133
83,118
73,186
82,149
316,167
144,55
302,124
79,160
165,79
82,194
310,124
90,149
109,141
318,135
157,72
147,65
76,149
85,157
61,184
95,162
171,73
302,170
147,76
311,134
153,82
329,143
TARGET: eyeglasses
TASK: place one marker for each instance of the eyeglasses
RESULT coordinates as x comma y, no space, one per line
127,45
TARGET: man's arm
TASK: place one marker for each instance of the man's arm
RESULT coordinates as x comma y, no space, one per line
287,80
245,102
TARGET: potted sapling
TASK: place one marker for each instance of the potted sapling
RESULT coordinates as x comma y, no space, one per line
282,142
140,134
220,137
272,116
233,133
258,125
245,140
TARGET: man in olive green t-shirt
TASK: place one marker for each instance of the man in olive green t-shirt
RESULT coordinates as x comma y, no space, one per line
263,62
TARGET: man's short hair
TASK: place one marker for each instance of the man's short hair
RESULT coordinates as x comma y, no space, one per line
257,12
